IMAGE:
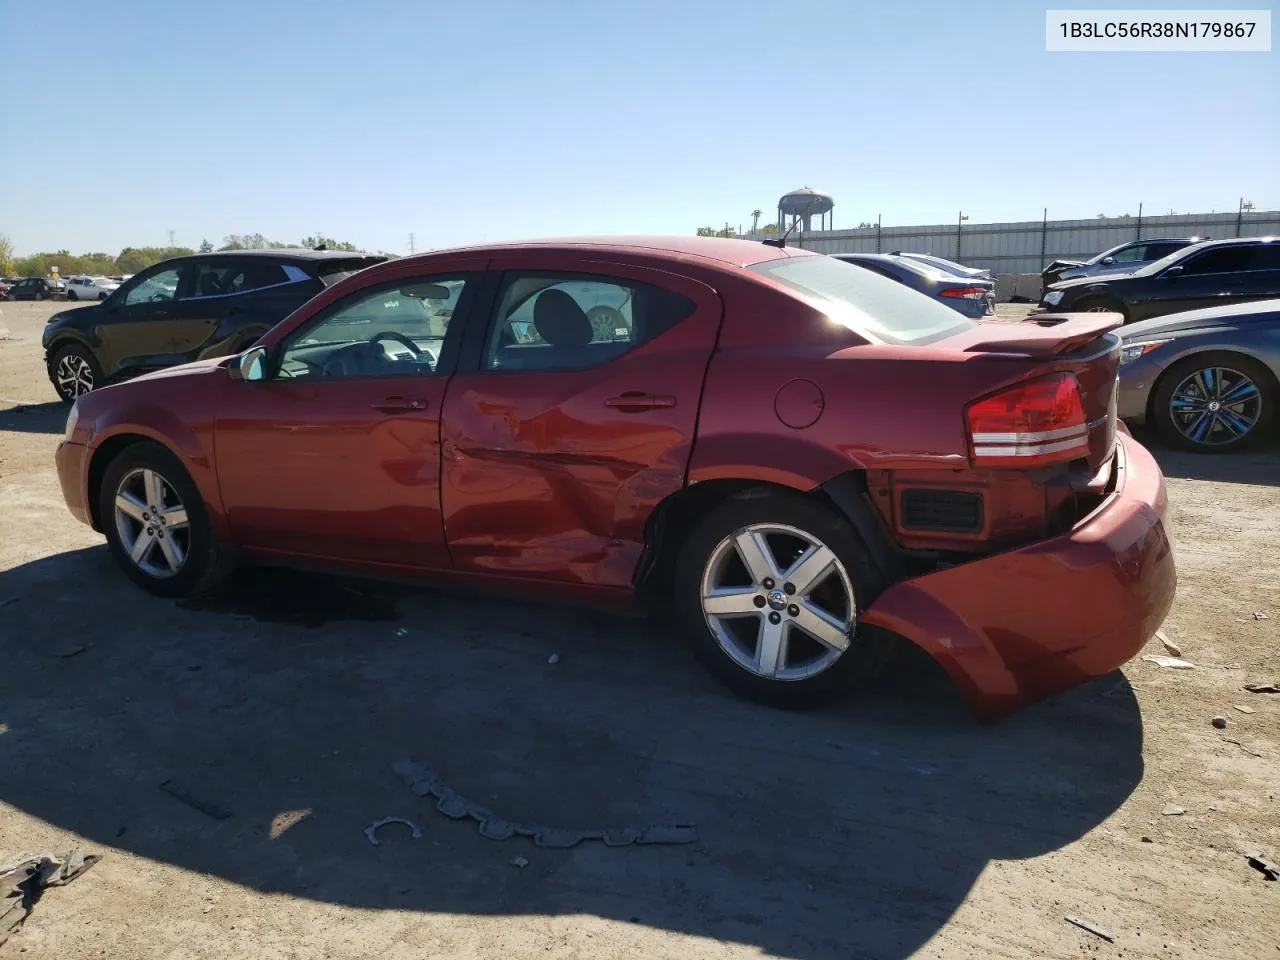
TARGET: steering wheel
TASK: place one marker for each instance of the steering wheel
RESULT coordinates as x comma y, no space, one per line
418,353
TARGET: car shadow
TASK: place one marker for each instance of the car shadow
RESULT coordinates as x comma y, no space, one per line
34,418
856,830
1259,465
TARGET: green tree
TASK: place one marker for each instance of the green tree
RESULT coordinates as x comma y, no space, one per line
6,255
206,246
328,243
717,232
137,259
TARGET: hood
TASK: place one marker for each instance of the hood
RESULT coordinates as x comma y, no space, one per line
1085,281
196,368
1257,311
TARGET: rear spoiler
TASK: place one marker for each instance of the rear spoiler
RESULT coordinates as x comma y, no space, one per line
1046,334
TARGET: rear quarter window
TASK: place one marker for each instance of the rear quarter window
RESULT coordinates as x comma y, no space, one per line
866,302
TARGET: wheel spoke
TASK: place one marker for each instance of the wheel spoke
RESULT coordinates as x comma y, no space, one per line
175,518
822,626
173,554
1204,380
810,570
1242,391
154,488
756,556
731,602
129,505
1188,404
1234,422
772,653
142,546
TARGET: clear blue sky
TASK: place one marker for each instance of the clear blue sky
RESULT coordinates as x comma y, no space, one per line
494,119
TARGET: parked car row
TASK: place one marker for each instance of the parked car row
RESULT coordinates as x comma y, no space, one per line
523,417
1123,258
35,288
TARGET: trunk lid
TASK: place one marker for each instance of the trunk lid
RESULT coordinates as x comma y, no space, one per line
1081,344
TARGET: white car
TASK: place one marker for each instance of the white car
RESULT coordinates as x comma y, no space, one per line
90,288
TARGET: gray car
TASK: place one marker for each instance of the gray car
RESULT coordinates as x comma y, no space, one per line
1123,258
1206,380
973,297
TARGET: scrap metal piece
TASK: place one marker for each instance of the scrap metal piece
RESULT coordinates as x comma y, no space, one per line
1262,688
1092,928
22,883
371,831
1262,864
424,781
1173,663
211,810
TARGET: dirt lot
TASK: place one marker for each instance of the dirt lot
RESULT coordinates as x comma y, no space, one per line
888,827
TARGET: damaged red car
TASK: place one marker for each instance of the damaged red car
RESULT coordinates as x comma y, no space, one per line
784,450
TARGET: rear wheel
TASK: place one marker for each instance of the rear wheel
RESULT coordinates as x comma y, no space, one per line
156,524
74,371
769,588
1102,305
1215,402
72,295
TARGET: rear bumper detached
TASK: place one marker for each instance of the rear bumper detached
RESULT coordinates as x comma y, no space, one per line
1014,628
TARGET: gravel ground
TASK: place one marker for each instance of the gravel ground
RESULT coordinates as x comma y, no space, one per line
887,827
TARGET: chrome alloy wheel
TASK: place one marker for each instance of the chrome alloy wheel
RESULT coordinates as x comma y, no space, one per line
1215,405
74,375
778,601
152,522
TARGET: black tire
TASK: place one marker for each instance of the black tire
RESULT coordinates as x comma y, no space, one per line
770,506
1162,415
102,296
76,357
72,295
207,561
1100,305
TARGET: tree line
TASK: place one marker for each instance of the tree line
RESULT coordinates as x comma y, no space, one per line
137,259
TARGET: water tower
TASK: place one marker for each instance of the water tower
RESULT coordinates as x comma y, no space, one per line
803,205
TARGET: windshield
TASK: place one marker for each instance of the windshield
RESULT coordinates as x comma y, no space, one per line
1157,265
866,302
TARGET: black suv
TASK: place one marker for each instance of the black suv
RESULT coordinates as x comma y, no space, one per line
34,288
1209,274
188,308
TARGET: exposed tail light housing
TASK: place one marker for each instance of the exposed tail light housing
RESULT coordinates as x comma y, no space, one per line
1030,424
966,293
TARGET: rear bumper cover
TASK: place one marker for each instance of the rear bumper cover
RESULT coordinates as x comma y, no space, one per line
1019,626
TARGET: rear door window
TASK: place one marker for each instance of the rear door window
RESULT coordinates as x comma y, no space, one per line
866,302
1266,256
1222,260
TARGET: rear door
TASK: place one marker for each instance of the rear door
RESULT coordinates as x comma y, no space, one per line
572,416
234,301
1209,278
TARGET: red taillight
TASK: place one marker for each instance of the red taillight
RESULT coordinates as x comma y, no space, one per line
1029,424
966,293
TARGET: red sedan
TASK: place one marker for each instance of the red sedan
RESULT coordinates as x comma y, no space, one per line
782,449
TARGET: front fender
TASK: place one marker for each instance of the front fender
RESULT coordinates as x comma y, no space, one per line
193,445
789,461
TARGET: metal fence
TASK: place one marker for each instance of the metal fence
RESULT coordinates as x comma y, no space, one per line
1022,248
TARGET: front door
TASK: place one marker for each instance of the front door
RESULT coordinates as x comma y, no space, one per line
140,324
572,417
336,456
1208,279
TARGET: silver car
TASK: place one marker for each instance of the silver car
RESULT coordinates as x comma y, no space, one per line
1205,380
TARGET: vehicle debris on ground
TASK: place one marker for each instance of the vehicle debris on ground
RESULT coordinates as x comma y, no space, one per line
22,883
424,781
1263,865
1096,930
371,831
1172,663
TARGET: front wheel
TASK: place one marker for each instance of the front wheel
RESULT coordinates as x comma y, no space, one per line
1102,305
72,295
156,524
74,371
769,588
1214,402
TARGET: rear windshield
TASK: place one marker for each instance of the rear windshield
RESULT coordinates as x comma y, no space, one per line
866,302
333,271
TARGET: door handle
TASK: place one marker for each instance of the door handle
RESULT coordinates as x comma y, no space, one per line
399,405
636,401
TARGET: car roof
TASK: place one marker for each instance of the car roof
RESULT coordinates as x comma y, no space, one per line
891,260
282,253
723,250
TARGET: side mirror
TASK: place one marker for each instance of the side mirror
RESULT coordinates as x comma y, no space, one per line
1107,261
250,365
1173,272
